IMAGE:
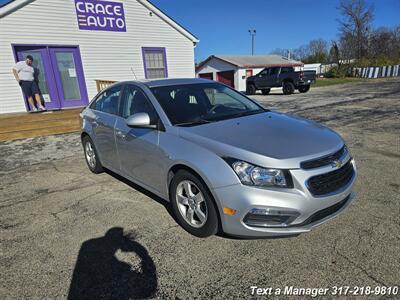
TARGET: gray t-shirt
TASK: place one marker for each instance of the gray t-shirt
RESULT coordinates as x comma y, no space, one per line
25,72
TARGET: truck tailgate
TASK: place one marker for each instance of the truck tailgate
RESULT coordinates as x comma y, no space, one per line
309,77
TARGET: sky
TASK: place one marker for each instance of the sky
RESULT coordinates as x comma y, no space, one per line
222,25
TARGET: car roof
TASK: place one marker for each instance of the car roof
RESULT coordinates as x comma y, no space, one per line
169,82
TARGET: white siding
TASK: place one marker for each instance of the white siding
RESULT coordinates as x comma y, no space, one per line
241,78
214,66
105,55
313,67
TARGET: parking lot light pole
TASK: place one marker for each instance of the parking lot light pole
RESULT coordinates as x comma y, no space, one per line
252,33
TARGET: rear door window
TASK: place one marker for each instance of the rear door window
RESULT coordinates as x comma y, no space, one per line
286,70
274,71
108,101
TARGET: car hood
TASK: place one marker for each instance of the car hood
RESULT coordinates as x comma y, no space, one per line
269,139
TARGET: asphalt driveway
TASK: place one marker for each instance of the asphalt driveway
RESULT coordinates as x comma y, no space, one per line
66,232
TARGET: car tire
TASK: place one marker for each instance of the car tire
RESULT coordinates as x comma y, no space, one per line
288,88
91,156
251,89
265,91
304,88
193,205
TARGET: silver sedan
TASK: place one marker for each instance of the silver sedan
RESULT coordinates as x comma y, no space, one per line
223,162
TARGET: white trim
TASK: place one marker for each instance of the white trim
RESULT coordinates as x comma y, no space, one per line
13,6
168,20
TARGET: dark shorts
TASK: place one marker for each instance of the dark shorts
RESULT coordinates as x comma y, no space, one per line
30,88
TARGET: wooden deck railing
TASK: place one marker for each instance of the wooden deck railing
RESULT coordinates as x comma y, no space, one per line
102,84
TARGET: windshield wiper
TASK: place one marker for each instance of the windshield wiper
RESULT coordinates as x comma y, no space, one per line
193,123
247,113
237,115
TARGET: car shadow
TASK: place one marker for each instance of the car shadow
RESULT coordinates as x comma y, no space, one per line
167,206
142,190
99,274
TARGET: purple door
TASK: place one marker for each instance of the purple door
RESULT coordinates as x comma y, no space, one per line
69,79
59,73
43,75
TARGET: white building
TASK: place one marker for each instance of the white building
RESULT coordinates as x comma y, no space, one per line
76,42
317,68
233,70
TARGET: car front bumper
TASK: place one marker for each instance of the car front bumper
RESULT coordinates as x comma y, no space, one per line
311,211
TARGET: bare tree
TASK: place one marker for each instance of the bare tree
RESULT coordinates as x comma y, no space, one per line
385,46
335,54
281,52
318,51
301,53
355,25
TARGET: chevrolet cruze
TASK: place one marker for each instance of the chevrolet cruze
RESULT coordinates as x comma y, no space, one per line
223,161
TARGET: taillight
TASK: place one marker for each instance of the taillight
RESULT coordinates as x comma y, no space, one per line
301,75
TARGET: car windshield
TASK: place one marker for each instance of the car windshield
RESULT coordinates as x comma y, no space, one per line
194,104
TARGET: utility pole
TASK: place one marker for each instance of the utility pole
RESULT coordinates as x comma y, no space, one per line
253,34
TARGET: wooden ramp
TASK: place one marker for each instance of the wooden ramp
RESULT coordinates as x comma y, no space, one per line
27,125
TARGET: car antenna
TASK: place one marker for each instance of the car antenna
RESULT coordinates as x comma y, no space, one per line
134,73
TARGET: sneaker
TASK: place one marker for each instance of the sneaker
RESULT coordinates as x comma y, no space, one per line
42,109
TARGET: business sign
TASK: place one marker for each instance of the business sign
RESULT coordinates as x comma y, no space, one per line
100,15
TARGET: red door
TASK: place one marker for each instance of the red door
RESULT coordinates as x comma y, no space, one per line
207,76
226,77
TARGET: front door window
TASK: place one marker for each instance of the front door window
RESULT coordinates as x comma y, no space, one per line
67,70
69,77
135,101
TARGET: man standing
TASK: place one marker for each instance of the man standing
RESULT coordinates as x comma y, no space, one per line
24,74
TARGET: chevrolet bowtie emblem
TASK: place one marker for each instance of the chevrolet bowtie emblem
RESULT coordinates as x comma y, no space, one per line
336,163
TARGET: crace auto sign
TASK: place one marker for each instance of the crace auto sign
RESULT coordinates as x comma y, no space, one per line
100,15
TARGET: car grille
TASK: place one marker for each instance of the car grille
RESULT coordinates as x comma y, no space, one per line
322,214
323,161
332,181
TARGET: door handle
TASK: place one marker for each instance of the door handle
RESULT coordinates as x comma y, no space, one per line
121,135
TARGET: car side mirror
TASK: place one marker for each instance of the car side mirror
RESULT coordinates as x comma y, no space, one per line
140,120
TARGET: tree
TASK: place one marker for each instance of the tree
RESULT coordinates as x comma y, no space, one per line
318,51
281,52
334,54
301,53
355,26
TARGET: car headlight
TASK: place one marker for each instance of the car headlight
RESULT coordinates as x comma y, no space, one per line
258,176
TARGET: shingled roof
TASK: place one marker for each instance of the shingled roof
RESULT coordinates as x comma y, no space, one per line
253,61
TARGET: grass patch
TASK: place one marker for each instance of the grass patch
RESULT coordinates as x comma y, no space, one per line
332,81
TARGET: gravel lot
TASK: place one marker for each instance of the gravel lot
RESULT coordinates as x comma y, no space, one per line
66,232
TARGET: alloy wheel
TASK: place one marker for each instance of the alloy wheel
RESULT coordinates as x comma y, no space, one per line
191,204
90,155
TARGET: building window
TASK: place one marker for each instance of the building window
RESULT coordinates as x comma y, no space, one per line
155,63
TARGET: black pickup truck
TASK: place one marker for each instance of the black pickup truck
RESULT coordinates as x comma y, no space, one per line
285,77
